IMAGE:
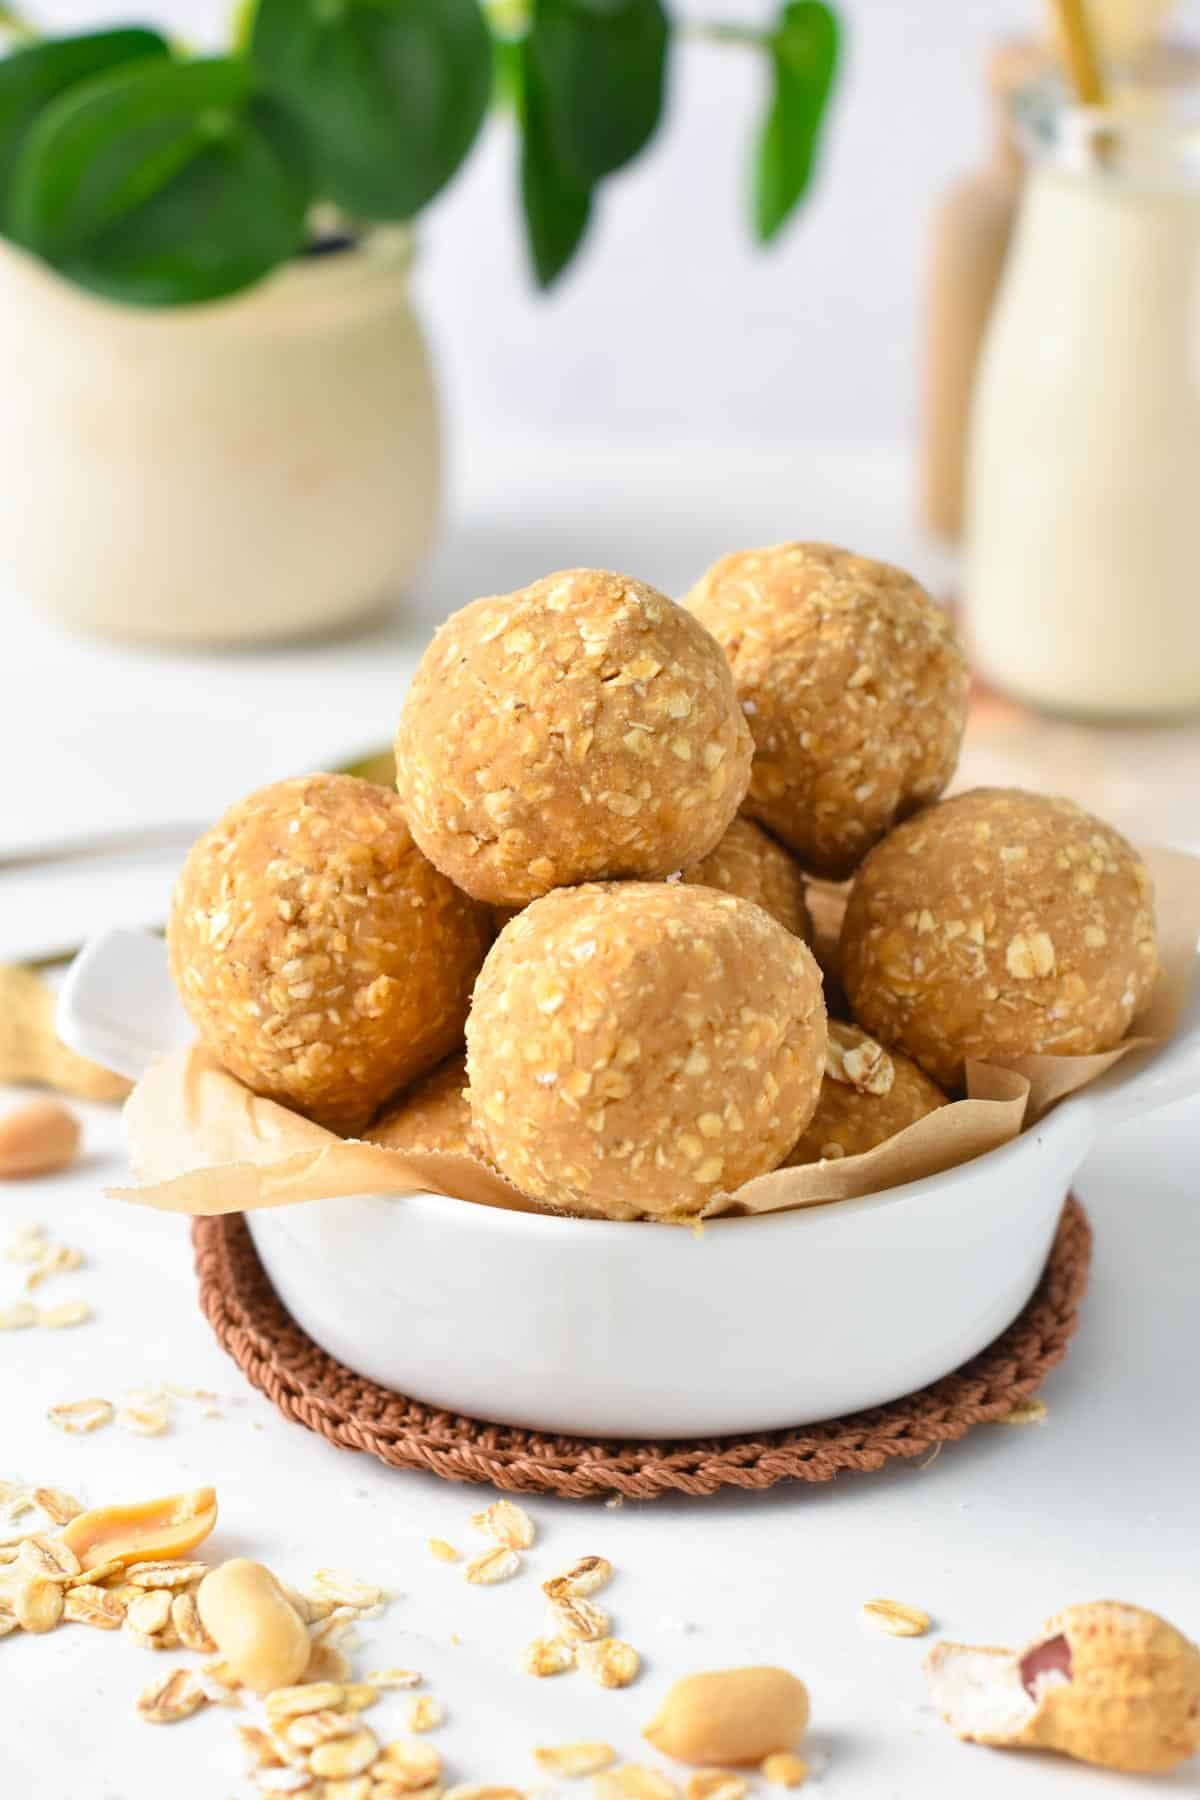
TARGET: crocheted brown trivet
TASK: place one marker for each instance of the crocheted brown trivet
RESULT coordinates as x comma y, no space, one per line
306,1384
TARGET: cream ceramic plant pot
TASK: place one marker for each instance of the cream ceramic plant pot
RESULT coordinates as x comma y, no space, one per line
262,467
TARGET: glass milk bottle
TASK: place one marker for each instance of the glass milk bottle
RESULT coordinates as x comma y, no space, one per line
1082,573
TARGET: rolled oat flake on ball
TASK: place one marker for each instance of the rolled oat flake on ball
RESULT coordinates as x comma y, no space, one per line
635,1048
582,727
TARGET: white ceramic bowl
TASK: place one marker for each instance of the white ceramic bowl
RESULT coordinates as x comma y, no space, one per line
643,1330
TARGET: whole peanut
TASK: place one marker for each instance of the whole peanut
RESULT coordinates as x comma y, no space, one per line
37,1139
730,1716
257,1631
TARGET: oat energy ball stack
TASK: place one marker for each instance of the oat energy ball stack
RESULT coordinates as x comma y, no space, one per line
319,955
999,923
867,1096
634,1049
584,726
853,686
749,863
432,1115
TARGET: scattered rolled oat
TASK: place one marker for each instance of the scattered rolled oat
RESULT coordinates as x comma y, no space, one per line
716,1784
18,1317
585,1576
56,1259
425,1713
146,1414
577,1620
473,1791
394,1678
574,1760
176,1696
344,1756
185,1619
358,1695
312,1728
492,1566
1030,1411
170,1572
80,1416
609,1661
58,1507
303,1697
148,1614
86,1604
785,1769
410,1762
442,1550
548,1656
39,1604
896,1619
71,1312
345,1590
258,1747
633,1781
506,1524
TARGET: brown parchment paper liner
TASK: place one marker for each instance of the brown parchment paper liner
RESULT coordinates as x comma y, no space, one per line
202,1143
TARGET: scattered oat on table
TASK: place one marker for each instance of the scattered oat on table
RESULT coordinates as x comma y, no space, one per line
609,1661
492,1566
443,1551
80,1416
506,1524
896,1619
425,1713
574,1760
587,1575
548,1656
1030,1411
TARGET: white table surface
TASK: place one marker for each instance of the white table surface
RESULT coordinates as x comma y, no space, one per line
997,1532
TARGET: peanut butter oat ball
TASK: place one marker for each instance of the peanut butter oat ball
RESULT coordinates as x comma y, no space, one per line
854,688
585,726
635,1048
867,1097
749,863
999,923
319,955
432,1115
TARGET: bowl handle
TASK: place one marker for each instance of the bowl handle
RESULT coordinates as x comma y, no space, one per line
1148,1079
117,1005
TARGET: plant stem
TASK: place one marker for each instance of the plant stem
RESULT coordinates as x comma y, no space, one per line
716,33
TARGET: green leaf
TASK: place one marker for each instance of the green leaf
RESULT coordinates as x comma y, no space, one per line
162,184
390,94
602,65
38,73
804,55
556,204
